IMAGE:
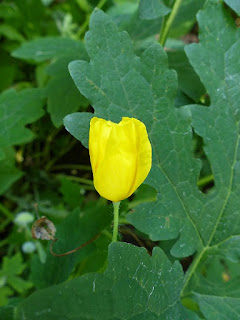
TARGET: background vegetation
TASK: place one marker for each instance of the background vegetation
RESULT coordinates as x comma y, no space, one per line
188,209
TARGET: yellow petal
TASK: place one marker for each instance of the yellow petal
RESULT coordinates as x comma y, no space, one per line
144,155
98,137
121,156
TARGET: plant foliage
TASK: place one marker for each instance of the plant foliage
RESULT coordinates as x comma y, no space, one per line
186,215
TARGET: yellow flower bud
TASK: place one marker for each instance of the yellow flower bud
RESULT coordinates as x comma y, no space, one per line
121,156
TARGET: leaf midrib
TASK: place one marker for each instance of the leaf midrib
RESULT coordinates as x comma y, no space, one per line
178,195
229,191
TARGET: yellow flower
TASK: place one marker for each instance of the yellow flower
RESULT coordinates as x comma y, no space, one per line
121,156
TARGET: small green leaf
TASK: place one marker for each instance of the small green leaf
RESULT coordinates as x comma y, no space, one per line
71,192
152,9
17,109
47,48
8,172
10,33
11,270
13,266
19,284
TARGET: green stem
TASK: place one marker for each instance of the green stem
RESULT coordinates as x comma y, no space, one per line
192,269
101,3
115,223
162,28
85,24
167,25
205,180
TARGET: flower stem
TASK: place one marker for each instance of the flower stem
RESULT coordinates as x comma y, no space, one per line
115,223
168,23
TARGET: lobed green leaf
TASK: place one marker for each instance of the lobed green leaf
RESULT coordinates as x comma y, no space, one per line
145,288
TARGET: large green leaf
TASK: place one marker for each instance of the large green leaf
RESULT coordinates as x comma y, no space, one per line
118,83
47,48
135,286
212,216
216,62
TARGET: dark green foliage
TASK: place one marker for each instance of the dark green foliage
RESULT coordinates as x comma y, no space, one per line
64,62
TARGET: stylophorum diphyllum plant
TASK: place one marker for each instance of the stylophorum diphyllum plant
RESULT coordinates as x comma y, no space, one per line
193,271
121,158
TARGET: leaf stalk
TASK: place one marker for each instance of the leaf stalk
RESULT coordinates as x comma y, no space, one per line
167,25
